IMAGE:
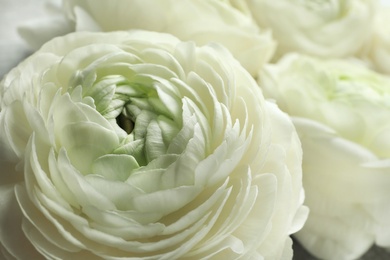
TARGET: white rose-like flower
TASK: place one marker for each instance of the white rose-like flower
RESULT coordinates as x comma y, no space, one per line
200,21
326,28
341,111
135,145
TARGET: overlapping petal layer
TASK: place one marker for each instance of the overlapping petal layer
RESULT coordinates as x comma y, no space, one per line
135,145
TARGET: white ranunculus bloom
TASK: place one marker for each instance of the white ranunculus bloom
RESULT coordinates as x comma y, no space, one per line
200,21
341,111
326,28
377,51
135,145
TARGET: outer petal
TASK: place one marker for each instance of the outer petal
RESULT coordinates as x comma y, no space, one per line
340,226
285,163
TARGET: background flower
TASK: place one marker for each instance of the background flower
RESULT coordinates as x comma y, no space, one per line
332,28
137,145
199,21
341,111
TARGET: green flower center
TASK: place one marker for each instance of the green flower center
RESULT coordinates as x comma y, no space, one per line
145,110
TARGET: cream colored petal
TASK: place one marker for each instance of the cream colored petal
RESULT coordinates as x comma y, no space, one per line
340,224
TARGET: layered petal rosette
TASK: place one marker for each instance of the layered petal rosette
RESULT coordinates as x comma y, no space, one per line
326,28
341,111
135,145
199,21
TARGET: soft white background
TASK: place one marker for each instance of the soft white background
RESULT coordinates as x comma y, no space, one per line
13,13
13,50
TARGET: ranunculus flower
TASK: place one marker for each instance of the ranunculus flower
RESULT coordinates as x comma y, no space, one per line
200,21
341,111
135,145
331,28
377,51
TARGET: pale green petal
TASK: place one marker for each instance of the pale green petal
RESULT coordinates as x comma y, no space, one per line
117,192
135,149
168,129
64,111
180,141
127,229
154,144
116,167
85,142
165,201
182,172
83,192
